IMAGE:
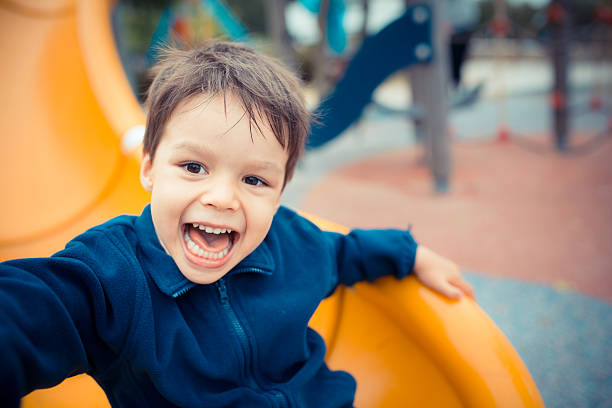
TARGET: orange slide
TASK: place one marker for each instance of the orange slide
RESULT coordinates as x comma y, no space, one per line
71,128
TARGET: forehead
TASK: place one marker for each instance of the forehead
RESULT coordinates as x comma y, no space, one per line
208,123
222,112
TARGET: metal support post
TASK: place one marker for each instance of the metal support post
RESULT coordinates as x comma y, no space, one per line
430,85
277,31
559,19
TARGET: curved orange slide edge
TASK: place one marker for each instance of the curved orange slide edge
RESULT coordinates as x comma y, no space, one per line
476,357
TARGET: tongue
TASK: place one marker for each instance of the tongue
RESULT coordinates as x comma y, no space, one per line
209,242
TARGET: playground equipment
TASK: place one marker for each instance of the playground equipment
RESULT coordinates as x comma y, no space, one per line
557,15
67,108
412,40
70,163
171,21
499,27
558,19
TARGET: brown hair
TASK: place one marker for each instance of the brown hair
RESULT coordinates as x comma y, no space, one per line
266,89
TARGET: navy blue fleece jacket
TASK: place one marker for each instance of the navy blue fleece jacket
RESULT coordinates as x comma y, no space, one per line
114,305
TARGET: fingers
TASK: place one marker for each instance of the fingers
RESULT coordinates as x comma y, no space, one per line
465,287
455,288
441,275
449,290
453,293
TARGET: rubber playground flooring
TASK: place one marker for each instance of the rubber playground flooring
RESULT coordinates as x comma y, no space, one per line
531,228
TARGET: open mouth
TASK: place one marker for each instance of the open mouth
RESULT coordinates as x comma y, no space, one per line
209,244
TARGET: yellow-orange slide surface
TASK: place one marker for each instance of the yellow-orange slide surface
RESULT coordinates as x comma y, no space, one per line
63,115
66,166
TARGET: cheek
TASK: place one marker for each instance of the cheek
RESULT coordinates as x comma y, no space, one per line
264,221
259,213
171,192
167,206
266,206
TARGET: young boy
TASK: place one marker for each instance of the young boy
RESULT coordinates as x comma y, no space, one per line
204,299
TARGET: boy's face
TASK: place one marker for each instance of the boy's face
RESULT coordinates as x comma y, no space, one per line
212,173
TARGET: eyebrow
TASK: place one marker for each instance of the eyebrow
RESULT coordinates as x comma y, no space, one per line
190,147
266,165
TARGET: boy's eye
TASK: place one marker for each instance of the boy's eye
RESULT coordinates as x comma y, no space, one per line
254,181
194,168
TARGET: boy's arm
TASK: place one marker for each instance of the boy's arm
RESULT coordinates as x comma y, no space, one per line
370,254
45,314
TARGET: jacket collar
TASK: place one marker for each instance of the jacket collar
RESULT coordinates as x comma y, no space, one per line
167,276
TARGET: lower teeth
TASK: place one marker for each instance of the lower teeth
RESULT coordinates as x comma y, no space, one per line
196,250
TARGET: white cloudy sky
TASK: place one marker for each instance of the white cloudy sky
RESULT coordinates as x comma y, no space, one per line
303,25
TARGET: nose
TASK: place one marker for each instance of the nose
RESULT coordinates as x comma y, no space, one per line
220,193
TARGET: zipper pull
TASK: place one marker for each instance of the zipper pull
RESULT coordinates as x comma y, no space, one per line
220,284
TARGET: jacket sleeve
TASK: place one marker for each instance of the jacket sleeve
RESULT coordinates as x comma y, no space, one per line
47,309
366,255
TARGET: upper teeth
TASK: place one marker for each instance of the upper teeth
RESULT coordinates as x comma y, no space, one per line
212,230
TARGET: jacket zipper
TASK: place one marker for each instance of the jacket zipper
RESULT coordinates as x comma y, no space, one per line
279,398
237,327
181,292
276,395
186,288
250,269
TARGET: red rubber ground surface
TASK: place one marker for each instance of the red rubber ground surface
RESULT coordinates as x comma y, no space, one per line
544,217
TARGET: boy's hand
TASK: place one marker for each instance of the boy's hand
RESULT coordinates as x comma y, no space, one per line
440,274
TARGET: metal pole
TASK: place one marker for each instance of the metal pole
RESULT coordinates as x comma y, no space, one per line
277,31
559,19
429,84
321,67
365,6
500,28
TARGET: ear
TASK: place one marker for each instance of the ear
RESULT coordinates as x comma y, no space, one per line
146,170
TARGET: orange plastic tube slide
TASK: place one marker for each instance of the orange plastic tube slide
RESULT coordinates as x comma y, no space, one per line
69,162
